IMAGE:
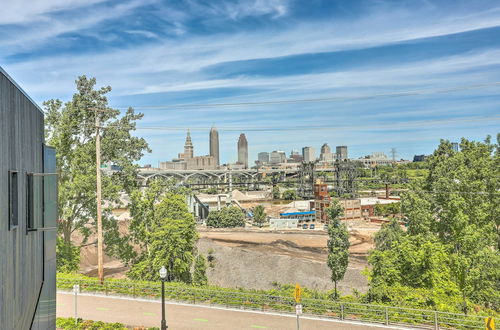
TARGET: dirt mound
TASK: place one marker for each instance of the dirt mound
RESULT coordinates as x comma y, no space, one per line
237,267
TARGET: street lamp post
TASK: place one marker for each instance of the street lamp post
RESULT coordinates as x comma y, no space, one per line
163,276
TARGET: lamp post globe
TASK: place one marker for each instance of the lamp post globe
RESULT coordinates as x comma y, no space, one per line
163,273
163,276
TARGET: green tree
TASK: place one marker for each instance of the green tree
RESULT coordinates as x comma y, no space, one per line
227,217
276,192
453,230
164,231
200,271
68,257
290,195
338,244
259,215
387,209
70,128
388,235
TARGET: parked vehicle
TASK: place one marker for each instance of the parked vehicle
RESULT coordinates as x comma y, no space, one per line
311,226
304,226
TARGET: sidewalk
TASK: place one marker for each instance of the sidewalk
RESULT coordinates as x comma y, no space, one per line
137,312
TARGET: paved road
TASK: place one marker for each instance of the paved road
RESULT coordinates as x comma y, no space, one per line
148,313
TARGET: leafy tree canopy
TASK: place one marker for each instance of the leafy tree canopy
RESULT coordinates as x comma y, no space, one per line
290,195
164,231
70,128
227,217
259,215
453,238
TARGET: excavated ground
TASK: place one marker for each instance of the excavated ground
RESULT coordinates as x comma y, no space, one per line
258,259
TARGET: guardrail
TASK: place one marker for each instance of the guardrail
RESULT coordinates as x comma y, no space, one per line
387,315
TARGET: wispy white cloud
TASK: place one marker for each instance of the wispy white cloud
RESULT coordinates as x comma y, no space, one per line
40,31
144,33
29,11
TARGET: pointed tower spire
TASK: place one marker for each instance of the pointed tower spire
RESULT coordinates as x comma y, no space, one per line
188,146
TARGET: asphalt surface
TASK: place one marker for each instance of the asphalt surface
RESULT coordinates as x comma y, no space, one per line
148,313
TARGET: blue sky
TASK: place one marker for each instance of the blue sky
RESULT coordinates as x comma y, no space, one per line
164,53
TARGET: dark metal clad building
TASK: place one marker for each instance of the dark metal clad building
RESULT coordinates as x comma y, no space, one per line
28,213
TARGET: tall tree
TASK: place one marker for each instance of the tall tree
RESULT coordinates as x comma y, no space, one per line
70,128
259,215
200,271
164,232
338,244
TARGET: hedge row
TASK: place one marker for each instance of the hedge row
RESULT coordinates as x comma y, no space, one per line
68,323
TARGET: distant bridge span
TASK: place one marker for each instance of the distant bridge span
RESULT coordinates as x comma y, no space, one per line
222,175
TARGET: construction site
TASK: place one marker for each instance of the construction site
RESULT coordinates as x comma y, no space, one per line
291,247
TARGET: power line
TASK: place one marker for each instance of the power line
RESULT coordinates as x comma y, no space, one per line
314,100
399,125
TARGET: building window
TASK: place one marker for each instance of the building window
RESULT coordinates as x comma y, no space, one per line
29,202
13,200
34,201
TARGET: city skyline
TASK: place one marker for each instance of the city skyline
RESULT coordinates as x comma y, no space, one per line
317,152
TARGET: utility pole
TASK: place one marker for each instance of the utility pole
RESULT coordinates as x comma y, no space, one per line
393,154
100,255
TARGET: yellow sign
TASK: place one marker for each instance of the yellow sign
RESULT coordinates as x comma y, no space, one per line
297,292
490,323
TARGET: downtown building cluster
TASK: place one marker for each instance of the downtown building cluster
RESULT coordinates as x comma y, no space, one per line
308,155
188,161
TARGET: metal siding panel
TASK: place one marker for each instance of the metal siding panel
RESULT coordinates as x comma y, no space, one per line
21,138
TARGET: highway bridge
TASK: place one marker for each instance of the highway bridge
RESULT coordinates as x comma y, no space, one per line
342,176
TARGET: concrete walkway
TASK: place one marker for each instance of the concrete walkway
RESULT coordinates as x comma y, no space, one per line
139,312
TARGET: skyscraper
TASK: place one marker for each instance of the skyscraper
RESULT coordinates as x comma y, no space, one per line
309,154
214,145
326,155
341,152
243,150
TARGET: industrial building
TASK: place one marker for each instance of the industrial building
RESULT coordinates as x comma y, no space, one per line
375,159
28,213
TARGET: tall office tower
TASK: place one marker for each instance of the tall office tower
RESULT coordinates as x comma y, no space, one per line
309,154
214,145
263,157
454,146
243,150
341,152
326,154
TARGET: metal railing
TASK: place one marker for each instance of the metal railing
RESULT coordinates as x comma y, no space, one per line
387,315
